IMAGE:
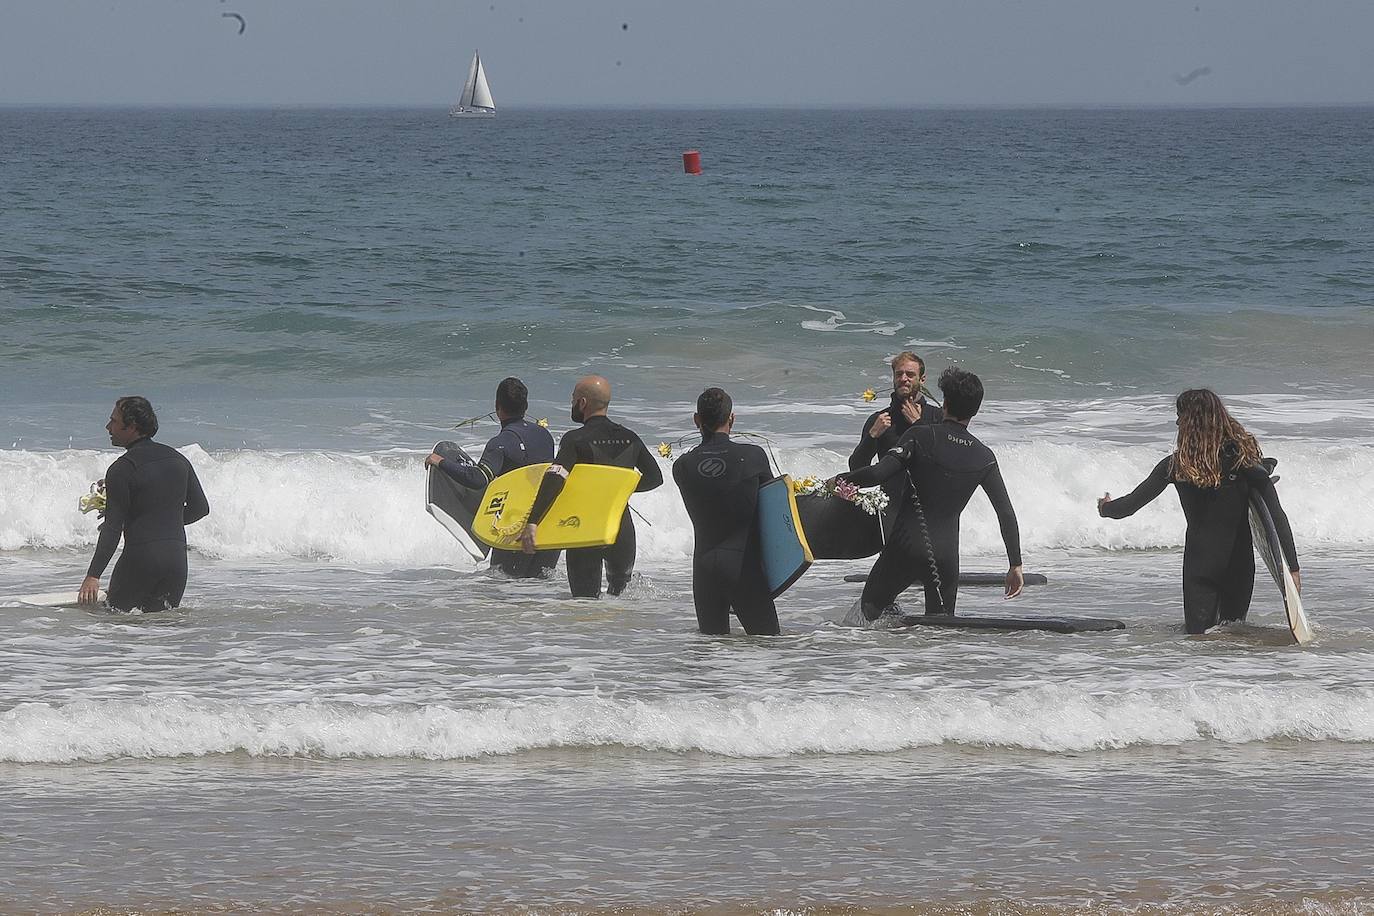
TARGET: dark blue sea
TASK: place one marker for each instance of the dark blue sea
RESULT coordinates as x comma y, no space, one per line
348,714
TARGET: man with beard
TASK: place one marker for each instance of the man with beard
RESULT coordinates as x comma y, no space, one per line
908,408
598,441
151,495
883,430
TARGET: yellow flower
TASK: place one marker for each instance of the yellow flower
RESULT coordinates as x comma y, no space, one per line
665,450
543,421
870,394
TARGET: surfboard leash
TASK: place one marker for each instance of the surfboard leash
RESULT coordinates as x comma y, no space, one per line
473,421
665,449
929,545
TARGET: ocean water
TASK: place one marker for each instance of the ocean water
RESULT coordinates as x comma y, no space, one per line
347,714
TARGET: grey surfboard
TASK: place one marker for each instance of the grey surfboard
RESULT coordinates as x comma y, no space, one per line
971,578
1049,624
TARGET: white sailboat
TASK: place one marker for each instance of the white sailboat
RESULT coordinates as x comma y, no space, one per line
476,101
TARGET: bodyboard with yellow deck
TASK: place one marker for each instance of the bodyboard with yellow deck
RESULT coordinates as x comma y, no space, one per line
586,514
786,554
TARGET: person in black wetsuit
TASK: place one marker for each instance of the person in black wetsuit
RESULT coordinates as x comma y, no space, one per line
598,441
519,443
944,463
1214,469
719,481
883,429
908,408
151,495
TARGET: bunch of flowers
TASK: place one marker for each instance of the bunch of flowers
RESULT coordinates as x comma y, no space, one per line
872,500
95,500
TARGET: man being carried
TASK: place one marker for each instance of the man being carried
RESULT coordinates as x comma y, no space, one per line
519,443
598,441
719,481
945,464
151,495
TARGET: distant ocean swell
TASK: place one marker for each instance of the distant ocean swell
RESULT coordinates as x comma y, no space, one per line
1046,718
369,508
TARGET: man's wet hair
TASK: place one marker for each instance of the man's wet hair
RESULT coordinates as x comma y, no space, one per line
963,392
138,413
906,356
714,408
513,397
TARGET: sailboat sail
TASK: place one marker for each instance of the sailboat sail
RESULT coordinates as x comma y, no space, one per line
475,100
481,92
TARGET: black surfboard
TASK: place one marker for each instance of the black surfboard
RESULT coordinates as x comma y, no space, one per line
453,505
971,578
836,529
1050,624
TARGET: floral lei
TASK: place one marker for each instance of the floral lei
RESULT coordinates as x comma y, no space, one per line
872,500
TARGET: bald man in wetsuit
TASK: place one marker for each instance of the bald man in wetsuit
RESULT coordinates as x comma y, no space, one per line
151,495
945,464
719,481
597,441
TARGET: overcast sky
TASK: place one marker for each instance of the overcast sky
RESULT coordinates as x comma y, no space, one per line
689,52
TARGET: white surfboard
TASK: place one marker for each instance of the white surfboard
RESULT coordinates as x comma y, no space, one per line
65,598
1266,537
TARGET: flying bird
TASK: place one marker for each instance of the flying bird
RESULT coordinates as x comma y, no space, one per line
1192,75
242,25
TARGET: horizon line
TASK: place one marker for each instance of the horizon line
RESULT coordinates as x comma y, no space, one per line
738,107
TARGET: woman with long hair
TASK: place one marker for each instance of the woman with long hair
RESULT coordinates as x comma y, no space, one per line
1214,469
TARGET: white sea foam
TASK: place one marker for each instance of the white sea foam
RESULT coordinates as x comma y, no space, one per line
838,321
369,509
1044,718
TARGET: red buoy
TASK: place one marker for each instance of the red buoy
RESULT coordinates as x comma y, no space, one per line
691,162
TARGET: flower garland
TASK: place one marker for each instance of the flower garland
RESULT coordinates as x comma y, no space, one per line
872,500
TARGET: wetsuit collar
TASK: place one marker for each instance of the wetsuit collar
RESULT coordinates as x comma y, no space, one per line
509,420
601,416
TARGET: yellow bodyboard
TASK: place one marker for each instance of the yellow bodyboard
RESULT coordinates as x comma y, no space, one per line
586,514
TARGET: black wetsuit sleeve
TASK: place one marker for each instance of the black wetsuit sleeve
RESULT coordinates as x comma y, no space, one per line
765,472
1141,496
490,466
197,506
651,475
116,515
1259,480
469,475
863,453
564,460
549,488
890,466
996,488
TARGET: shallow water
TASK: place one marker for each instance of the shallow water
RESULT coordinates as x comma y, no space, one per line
347,714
